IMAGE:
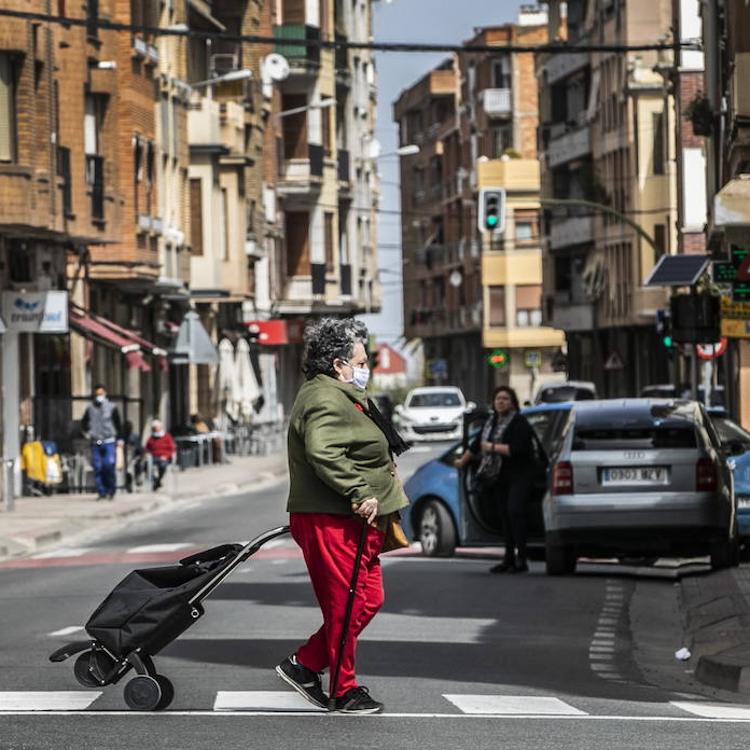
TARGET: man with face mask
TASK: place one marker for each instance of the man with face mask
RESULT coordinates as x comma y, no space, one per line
101,425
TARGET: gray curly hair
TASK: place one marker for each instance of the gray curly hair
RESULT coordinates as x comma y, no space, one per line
328,339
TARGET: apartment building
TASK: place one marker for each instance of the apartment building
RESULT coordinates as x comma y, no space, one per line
607,140
326,180
723,115
469,294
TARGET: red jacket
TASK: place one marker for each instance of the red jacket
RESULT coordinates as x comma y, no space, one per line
161,447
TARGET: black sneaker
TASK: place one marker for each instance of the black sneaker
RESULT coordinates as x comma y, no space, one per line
303,680
358,701
503,567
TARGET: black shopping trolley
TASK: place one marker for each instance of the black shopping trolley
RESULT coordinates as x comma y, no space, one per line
144,613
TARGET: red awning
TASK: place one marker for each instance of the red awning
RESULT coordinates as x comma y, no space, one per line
95,329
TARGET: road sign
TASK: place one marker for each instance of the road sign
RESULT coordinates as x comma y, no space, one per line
741,291
711,351
734,310
724,272
614,362
741,259
532,359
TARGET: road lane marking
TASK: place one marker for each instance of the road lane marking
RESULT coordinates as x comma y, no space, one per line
509,705
66,631
149,548
263,700
713,710
33,701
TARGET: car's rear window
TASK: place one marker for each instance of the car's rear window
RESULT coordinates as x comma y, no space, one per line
566,393
641,437
432,400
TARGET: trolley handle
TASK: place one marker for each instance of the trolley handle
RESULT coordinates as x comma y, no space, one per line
247,551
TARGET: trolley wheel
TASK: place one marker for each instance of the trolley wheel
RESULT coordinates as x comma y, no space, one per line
143,693
81,670
167,692
92,667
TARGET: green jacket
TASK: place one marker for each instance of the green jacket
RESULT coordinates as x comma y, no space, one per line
337,455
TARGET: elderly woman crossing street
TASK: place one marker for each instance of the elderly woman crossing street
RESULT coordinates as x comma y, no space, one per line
341,476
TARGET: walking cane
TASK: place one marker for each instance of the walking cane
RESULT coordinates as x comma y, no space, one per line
347,616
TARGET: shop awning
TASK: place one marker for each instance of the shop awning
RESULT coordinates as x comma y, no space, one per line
193,345
91,328
732,203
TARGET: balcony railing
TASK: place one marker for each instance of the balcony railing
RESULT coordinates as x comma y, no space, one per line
497,102
63,171
344,171
572,144
95,181
562,64
297,54
574,230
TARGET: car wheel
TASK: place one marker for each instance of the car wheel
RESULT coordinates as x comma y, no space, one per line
560,560
436,531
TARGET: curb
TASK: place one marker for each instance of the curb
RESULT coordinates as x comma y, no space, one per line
715,617
18,547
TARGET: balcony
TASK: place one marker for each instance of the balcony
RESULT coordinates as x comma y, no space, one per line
575,230
571,143
570,315
562,64
297,54
497,102
302,175
95,182
204,122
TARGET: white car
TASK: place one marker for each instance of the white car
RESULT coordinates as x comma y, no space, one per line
433,413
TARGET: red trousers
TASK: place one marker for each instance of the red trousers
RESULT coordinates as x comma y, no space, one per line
329,545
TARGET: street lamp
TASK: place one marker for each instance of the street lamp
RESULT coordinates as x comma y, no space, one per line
233,75
408,150
322,104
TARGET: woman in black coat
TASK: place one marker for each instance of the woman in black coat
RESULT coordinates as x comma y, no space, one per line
508,436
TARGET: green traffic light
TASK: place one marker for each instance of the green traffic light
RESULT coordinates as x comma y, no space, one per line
667,341
491,221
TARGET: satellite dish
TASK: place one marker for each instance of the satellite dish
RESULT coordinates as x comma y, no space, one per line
276,67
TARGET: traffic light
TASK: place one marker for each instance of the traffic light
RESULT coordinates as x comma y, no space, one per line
664,328
498,358
491,214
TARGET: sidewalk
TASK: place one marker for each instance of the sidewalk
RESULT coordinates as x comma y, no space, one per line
716,622
39,521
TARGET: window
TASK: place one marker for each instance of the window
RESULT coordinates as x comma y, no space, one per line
225,224
660,240
297,243
528,305
294,126
659,156
325,114
7,108
501,73
196,216
138,158
524,231
501,139
497,305
329,245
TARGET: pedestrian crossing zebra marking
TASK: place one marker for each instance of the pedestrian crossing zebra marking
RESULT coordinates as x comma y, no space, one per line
35,700
147,549
713,710
63,632
513,705
262,700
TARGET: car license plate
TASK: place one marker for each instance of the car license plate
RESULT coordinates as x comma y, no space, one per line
632,476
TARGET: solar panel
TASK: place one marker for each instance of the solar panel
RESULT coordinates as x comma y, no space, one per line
678,270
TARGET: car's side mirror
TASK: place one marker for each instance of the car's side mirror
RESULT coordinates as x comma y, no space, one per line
470,406
399,409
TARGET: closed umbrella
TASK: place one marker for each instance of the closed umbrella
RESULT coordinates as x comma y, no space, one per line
249,390
228,386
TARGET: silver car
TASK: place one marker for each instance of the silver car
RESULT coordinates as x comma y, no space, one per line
639,477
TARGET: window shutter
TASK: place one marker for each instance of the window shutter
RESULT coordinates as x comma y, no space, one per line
7,145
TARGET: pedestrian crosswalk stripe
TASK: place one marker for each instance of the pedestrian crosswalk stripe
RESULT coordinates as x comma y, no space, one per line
513,705
65,700
262,700
66,631
714,710
149,548
62,552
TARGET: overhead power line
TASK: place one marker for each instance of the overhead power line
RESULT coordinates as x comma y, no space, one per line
555,47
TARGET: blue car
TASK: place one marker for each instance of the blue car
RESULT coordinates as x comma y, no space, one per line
444,513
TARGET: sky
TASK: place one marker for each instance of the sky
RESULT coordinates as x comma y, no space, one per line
430,21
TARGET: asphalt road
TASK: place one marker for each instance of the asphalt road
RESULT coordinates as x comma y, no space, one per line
461,658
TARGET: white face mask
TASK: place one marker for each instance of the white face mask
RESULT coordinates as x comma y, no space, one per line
360,376
100,399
